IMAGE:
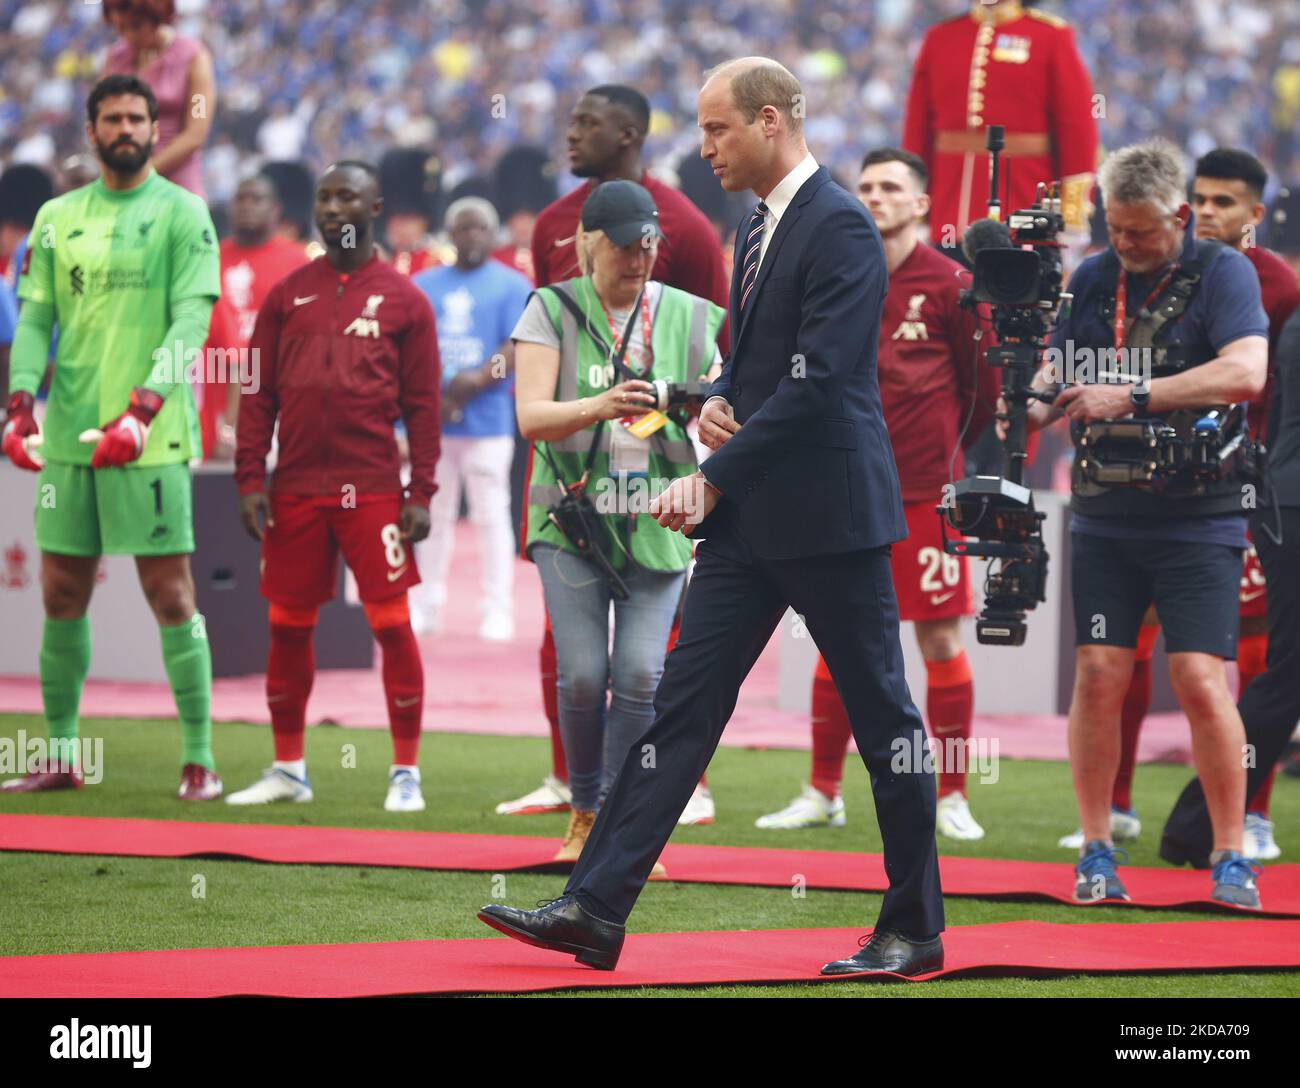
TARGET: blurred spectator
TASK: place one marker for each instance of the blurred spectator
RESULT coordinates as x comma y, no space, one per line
8,323
76,171
517,251
476,304
283,135
412,247
179,70
253,260
409,182
523,184
296,192
23,189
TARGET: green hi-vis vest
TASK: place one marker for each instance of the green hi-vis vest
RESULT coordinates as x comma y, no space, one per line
683,338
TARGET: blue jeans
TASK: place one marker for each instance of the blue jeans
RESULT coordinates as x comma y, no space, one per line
597,733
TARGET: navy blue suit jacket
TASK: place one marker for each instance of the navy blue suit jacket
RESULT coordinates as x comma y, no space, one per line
811,470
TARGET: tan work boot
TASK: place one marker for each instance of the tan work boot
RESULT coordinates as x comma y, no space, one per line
575,838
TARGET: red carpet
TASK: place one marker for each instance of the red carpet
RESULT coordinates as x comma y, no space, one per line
653,959
826,869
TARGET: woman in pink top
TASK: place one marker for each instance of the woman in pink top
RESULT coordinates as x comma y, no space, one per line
179,69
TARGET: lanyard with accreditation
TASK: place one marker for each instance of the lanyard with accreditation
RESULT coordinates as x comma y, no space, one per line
1121,301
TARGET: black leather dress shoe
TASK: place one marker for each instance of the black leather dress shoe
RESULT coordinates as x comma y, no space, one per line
562,926
888,952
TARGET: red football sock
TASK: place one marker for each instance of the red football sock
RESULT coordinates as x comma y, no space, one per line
830,732
403,676
1137,702
1263,795
950,706
551,702
290,670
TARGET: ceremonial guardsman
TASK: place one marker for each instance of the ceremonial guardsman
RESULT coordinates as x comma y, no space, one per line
1005,64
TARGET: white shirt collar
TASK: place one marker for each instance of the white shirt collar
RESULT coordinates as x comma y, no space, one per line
779,198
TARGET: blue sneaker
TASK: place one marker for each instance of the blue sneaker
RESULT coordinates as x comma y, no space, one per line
1095,878
1234,879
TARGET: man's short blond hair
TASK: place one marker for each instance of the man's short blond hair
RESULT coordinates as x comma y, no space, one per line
760,81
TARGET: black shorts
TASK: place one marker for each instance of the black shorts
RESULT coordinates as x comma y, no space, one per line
1193,586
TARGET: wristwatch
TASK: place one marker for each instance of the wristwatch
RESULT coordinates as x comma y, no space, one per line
1139,395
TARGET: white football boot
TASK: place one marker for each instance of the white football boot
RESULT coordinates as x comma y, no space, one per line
276,784
811,808
552,796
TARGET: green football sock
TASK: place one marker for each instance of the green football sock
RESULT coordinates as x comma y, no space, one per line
65,661
189,668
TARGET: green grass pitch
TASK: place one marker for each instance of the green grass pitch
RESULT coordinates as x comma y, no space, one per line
56,903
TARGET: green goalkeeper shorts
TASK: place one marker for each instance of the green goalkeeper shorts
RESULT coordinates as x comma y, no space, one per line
115,511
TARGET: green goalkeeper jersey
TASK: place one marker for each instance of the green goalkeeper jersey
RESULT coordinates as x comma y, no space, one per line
113,264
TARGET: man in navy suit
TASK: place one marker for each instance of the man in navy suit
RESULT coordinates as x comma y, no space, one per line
797,507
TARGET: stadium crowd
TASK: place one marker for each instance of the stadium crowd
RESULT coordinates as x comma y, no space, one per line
318,79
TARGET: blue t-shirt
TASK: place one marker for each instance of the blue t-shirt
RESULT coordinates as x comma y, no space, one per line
16,263
9,292
476,312
1226,307
8,314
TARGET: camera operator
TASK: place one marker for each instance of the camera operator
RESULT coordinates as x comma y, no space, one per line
1270,706
1180,547
594,426
1228,199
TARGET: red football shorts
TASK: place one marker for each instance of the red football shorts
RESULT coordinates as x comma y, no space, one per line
930,584
300,554
1253,597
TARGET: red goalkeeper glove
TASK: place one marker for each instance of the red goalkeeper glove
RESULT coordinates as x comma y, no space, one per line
122,441
22,434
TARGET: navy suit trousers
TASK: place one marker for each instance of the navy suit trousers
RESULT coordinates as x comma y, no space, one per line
733,604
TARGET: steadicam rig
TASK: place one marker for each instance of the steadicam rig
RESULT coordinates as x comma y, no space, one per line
1018,276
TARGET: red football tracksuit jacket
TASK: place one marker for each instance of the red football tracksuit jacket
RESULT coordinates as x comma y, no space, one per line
1280,294
929,372
339,358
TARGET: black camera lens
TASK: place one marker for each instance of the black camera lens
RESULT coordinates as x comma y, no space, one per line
1006,277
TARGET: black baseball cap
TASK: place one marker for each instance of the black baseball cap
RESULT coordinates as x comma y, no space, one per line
623,210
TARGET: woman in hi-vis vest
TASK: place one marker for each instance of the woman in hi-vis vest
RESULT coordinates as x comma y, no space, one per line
588,401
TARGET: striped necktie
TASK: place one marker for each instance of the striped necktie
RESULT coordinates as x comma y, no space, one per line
753,248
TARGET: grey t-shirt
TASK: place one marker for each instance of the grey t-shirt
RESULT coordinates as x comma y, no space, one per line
534,327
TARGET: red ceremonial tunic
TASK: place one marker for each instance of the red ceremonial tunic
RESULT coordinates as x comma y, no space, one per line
1012,67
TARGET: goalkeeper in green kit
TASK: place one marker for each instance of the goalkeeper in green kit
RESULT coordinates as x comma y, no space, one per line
128,269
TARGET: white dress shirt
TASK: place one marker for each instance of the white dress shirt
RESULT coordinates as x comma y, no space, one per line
778,200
